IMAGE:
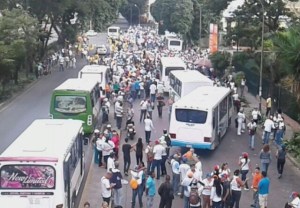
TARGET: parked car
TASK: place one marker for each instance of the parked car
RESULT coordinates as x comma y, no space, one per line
101,50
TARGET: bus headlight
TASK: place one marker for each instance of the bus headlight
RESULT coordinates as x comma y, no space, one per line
89,120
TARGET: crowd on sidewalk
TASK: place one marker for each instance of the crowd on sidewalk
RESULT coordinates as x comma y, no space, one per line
136,80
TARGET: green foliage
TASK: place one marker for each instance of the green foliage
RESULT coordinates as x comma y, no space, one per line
220,61
131,12
293,145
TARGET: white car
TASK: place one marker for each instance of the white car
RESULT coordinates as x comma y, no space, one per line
91,33
101,50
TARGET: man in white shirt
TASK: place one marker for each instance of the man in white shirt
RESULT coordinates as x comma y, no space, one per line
255,115
106,187
148,127
158,151
268,126
111,162
241,119
143,104
153,89
183,169
137,174
99,146
176,173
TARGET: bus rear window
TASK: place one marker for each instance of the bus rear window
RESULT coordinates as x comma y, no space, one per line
175,43
112,30
168,69
70,104
27,177
191,116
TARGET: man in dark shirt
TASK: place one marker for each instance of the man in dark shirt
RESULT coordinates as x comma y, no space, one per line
166,193
126,148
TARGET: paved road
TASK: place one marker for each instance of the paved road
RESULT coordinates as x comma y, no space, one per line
229,151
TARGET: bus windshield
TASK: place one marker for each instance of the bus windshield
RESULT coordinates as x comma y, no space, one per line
112,30
70,104
168,69
27,177
191,116
175,42
98,76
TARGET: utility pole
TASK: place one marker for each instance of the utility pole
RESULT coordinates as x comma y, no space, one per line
261,55
200,25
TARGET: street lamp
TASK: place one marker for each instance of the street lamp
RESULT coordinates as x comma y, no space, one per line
139,12
200,25
261,54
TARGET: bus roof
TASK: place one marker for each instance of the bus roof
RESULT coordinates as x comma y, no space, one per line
44,138
93,69
172,62
78,84
205,97
190,76
114,27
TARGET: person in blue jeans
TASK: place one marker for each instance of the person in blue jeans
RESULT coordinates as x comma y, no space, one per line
158,151
138,174
265,158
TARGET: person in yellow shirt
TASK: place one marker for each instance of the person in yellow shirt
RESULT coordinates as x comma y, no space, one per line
257,176
268,105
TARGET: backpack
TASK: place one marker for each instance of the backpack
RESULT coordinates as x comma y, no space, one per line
133,183
194,198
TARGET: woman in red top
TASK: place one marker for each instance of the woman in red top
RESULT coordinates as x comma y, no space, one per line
116,140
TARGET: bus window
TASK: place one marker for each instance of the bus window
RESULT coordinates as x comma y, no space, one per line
27,177
175,43
223,108
168,69
70,104
191,116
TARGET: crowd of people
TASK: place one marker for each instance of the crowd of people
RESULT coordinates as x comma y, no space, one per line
135,78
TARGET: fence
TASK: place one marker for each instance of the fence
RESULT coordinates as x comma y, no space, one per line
283,99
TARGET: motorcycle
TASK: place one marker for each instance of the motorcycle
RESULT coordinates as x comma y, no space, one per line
130,131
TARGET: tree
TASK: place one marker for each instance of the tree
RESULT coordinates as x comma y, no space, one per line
220,61
131,12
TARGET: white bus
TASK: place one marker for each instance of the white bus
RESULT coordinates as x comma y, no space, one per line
184,82
77,99
201,118
98,72
168,64
44,166
113,32
174,44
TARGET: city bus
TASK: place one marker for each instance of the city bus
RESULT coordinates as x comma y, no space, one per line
201,118
98,72
184,82
113,32
168,64
44,166
173,44
77,99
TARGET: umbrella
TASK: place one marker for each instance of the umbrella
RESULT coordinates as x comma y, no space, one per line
203,62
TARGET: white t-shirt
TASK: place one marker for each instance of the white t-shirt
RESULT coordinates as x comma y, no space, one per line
268,125
152,89
183,168
144,105
244,164
105,187
99,144
296,202
158,151
175,166
107,148
207,187
235,97
255,114
148,124
110,164
213,195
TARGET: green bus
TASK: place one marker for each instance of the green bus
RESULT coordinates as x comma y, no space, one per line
77,99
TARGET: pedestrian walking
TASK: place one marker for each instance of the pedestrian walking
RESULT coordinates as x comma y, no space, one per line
143,105
150,156
263,190
176,173
116,140
256,115
251,131
241,118
226,196
187,180
137,190
107,148
74,62
139,148
117,189
166,193
242,86
268,106
280,131
236,186
148,127
216,194
208,183
110,162
105,110
150,189
106,187
163,160
126,149
150,107
61,63
119,115
265,158
280,155
160,104
153,90
158,151
257,176
245,167
97,142
268,126
166,140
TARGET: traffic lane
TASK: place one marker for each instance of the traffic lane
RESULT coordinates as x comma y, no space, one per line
34,102
229,151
